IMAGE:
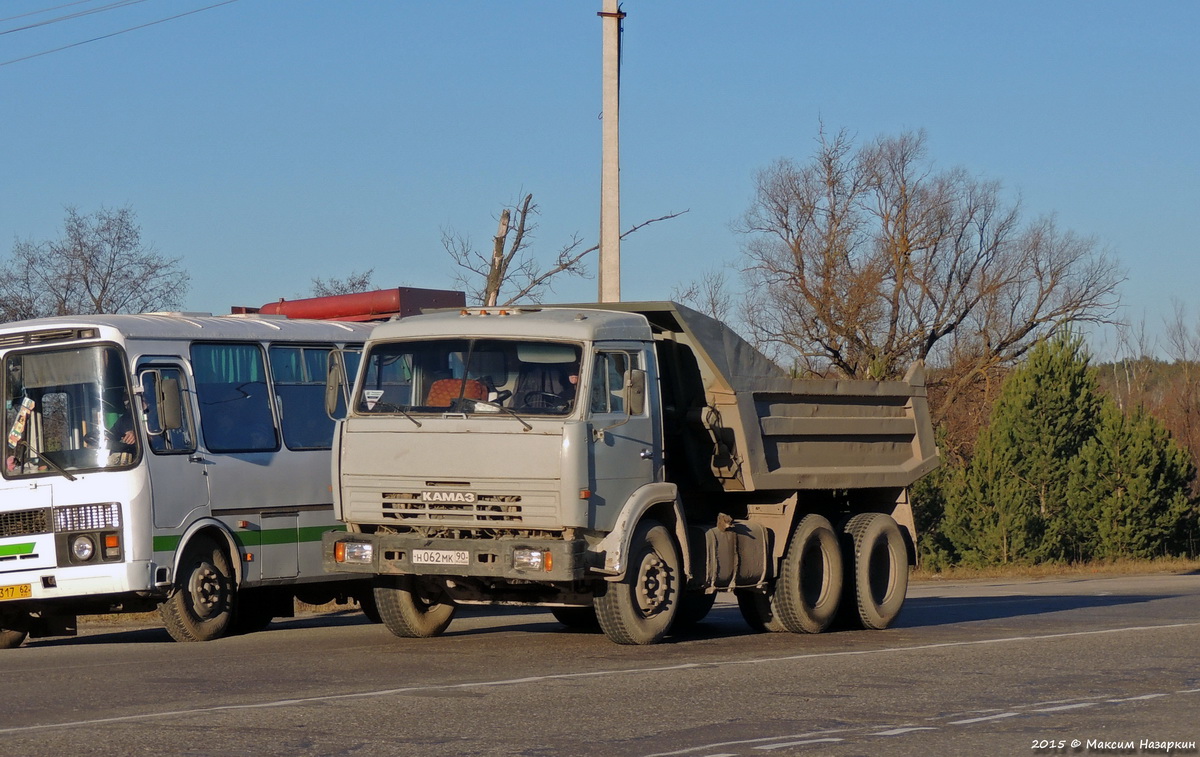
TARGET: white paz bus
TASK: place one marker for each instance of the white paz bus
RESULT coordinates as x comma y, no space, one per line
172,461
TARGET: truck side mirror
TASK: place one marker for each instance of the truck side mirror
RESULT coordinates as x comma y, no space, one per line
335,380
635,391
170,408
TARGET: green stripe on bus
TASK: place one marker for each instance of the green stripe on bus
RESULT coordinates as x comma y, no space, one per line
166,543
255,539
8,550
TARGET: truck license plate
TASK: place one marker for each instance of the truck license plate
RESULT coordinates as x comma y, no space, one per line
17,591
441,557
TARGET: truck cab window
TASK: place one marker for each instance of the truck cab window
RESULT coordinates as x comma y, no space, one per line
609,373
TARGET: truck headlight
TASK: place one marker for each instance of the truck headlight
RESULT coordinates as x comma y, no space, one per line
533,559
354,551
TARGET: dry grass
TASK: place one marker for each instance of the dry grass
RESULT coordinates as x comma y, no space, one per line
1050,570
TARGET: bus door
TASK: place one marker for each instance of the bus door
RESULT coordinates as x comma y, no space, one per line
178,476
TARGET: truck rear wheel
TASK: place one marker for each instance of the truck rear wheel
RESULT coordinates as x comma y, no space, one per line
640,608
410,609
876,570
809,586
200,607
755,605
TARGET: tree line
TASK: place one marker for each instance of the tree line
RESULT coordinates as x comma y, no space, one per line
855,262
867,257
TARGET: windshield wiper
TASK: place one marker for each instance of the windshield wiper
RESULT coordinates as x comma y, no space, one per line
502,408
40,456
388,407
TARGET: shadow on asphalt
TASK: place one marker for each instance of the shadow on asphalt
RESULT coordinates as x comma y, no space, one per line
724,621
940,611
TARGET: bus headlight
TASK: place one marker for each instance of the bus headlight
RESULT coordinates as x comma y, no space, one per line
83,548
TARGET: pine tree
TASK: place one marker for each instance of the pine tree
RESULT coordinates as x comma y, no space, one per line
1010,503
1130,486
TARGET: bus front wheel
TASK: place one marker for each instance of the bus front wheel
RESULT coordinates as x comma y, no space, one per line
13,630
200,607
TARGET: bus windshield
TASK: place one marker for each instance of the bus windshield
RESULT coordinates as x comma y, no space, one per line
68,410
470,376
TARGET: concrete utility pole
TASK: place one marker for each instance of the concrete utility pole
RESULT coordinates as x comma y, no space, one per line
610,172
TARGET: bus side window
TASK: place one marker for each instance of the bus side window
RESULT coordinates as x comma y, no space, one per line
235,401
166,440
299,377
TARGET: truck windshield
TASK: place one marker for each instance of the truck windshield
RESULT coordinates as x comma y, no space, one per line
474,376
68,410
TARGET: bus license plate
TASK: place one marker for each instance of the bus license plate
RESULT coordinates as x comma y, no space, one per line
441,557
17,591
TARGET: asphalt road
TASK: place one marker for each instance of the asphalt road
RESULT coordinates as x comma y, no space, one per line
970,668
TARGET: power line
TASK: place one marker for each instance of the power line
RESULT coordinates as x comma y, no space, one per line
70,16
43,10
114,34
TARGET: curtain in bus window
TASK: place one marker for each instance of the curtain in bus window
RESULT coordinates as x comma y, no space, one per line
299,375
235,403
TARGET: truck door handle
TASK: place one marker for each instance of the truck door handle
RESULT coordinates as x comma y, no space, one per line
645,454
196,459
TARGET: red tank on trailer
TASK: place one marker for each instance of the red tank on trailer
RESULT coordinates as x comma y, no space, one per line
378,305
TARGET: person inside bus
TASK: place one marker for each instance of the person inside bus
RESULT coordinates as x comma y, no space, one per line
118,421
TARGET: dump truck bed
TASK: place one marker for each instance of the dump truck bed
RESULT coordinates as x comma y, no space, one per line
770,431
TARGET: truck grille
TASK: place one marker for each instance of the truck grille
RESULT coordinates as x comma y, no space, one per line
25,522
488,508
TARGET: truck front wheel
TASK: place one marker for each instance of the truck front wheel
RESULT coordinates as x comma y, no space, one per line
877,570
810,580
640,608
410,609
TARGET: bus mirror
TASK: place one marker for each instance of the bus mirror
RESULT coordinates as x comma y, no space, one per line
635,391
335,380
170,409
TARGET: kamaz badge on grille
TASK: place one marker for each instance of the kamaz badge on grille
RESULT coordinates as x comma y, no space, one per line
463,497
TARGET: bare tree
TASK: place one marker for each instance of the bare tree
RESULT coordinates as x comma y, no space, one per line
99,265
863,260
354,282
709,294
511,273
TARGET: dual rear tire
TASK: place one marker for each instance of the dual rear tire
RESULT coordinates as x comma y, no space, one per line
860,578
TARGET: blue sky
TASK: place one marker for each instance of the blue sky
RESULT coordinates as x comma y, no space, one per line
268,142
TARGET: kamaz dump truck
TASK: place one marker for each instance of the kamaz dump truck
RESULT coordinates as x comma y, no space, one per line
620,463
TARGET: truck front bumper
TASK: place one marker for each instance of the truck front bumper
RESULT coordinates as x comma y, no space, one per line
538,560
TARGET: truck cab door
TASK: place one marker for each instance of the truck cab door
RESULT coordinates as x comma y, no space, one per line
625,450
